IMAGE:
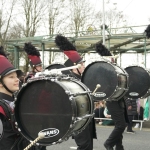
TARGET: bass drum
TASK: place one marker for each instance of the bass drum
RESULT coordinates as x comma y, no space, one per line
113,80
58,66
59,107
139,82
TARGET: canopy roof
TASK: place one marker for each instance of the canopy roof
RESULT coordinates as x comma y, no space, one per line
85,41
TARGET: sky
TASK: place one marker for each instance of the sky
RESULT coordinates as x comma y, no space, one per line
138,11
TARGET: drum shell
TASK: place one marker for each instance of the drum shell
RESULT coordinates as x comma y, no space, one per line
55,108
112,79
139,82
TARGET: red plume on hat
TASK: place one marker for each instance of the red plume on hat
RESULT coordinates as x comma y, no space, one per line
5,66
147,31
33,54
69,50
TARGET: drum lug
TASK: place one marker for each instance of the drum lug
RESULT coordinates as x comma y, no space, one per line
53,80
16,123
19,129
71,98
54,143
60,140
68,92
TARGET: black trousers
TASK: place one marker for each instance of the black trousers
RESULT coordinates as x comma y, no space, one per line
117,114
84,140
130,124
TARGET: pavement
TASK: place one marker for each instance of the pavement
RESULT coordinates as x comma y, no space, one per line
138,141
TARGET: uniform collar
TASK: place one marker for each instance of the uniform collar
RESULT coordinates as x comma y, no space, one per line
76,75
6,97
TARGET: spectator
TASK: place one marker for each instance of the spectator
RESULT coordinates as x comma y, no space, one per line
146,109
99,111
131,107
139,115
107,115
96,111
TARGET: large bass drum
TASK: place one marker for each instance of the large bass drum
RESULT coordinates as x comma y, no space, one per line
112,79
139,82
59,107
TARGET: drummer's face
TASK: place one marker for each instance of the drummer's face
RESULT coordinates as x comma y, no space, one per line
81,69
38,68
11,81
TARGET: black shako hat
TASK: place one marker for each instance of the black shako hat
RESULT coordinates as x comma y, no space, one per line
69,50
33,54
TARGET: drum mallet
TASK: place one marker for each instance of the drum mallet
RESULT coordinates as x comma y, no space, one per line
40,136
68,68
57,71
97,87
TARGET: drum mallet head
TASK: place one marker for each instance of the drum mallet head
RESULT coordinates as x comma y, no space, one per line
41,135
97,86
79,65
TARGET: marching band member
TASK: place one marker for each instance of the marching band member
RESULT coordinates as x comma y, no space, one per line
10,138
117,111
34,58
84,140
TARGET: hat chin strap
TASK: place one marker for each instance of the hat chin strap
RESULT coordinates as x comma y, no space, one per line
78,71
37,70
6,87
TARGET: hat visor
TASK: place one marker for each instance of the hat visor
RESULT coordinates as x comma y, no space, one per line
19,72
81,61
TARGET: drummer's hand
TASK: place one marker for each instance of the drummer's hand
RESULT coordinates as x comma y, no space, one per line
129,107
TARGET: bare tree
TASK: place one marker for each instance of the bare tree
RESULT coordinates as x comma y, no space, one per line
113,19
5,18
28,21
32,14
80,16
56,15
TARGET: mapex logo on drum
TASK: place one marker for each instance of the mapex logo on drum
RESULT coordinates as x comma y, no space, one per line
50,132
133,94
99,94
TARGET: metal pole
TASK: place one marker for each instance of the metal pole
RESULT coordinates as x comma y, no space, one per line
103,22
43,48
16,55
145,51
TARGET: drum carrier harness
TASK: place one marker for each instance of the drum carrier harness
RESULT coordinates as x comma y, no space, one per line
9,113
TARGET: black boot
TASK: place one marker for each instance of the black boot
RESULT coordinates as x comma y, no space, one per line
119,147
108,147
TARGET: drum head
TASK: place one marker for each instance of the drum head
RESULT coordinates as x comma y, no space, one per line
58,66
102,73
42,105
139,82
